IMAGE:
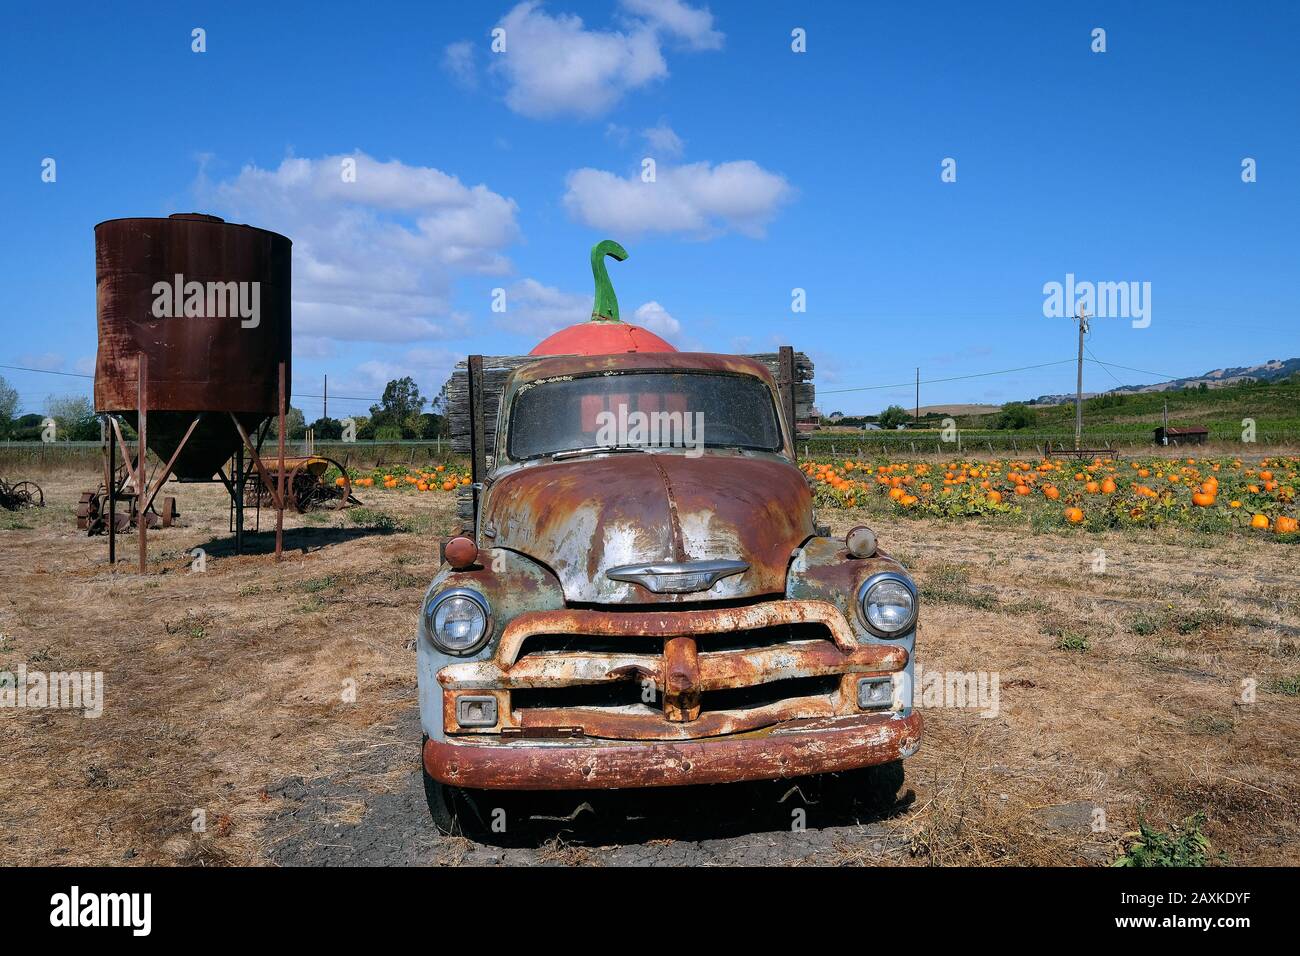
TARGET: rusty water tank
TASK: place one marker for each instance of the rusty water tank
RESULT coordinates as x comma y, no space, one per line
207,302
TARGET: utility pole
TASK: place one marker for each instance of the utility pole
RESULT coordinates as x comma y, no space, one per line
918,398
1078,392
325,409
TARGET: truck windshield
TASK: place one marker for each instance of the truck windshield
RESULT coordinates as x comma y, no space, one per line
643,411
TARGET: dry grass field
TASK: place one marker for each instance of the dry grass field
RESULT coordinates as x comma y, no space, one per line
1123,694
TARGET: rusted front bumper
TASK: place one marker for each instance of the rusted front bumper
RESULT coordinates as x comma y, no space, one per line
792,749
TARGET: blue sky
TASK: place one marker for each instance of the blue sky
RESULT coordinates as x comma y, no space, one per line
775,170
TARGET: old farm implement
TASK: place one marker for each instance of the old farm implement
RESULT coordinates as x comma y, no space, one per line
93,506
306,486
21,494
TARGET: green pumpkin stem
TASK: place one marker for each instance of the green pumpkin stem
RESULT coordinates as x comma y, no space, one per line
606,307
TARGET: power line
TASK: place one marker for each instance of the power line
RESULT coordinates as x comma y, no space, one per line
1105,369
50,371
935,381
1169,378
47,371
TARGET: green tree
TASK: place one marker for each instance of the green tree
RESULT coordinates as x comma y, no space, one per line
399,408
432,426
295,424
8,406
1014,415
327,429
75,416
893,416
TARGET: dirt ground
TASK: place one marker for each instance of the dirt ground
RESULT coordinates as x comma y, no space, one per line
272,707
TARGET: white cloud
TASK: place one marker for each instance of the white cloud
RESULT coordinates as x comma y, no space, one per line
458,60
656,318
665,143
354,390
696,199
52,361
536,309
554,65
690,24
616,134
374,259
430,368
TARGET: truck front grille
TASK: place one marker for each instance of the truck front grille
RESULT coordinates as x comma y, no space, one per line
670,674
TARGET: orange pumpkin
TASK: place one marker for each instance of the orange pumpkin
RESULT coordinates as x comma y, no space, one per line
1259,521
1202,499
995,496
1285,525
1074,515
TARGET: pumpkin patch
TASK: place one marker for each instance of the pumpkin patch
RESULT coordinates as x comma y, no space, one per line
1216,495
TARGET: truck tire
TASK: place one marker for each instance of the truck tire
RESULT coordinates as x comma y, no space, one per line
878,788
451,809
874,791
442,806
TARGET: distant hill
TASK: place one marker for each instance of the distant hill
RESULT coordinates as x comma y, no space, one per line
1270,371
1224,401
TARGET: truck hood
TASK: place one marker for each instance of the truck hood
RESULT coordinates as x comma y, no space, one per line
583,517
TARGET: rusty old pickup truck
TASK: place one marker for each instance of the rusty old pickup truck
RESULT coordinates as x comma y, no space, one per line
634,606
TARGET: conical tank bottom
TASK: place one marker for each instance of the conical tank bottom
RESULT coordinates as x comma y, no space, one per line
212,444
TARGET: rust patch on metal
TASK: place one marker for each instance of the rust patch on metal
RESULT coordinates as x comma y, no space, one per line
815,746
681,674
679,547
580,518
673,623
681,683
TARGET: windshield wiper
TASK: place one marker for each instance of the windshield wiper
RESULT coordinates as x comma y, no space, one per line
596,450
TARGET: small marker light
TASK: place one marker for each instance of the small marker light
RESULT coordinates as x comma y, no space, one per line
476,711
461,552
861,542
875,693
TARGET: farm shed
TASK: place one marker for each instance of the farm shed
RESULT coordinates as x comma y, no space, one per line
1181,436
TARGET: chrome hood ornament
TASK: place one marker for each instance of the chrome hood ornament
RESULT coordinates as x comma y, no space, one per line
677,577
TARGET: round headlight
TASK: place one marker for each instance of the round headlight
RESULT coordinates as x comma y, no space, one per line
458,621
888,604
